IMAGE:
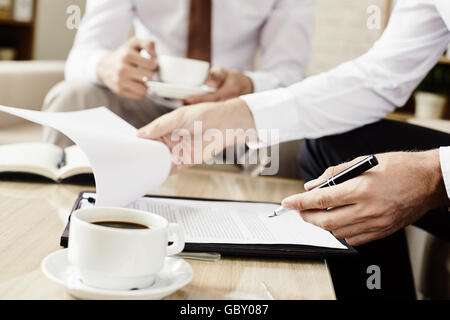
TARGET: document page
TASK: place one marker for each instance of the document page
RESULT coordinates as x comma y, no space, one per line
237,222
125,167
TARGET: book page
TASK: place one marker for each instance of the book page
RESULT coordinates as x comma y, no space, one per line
125,167
237,222
37,158
76,163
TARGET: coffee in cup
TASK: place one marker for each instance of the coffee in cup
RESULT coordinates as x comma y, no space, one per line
121,249
120,225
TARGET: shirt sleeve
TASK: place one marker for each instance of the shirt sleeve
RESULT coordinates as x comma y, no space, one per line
105,26
444,153
361,91
285,45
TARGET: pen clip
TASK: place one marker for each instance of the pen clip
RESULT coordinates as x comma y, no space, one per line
331,182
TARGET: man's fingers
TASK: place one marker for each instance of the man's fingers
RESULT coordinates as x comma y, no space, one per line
137,88
160,127
139,75
335,196
368,237
333,219
134,56
354,234
130,83
208,97
129,73
317,217
194,99
139,61
217,77
149,46
142,44
330,172
356,229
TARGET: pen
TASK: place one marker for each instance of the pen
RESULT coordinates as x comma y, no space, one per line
62,162
350,173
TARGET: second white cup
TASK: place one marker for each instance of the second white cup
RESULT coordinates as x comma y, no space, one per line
183,71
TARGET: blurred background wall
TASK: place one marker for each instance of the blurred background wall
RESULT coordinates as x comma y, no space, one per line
51,17
339,33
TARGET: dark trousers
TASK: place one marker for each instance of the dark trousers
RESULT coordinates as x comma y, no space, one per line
391,253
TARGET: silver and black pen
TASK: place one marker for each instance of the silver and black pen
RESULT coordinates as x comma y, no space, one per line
350,173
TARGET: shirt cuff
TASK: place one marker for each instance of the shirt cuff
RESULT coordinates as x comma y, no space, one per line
444,153
262,81
275,114
92,64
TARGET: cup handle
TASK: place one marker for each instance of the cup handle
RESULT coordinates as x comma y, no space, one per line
178,244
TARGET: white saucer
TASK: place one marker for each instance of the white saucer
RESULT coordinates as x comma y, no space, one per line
175,274
175,91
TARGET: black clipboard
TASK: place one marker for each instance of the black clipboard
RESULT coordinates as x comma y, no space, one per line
243,250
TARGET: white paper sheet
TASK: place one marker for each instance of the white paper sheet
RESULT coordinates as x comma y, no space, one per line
237,222
125,167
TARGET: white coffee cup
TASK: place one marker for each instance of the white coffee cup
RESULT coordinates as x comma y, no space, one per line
121,259
183,71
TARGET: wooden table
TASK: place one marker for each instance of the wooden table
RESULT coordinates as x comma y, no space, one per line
33,215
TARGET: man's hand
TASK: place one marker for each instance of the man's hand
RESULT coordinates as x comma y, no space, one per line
390,196
228,83
177,130
123,70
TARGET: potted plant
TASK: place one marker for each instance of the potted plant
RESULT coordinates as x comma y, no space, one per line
431,94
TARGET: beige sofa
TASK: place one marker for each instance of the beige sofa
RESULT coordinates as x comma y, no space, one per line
25,84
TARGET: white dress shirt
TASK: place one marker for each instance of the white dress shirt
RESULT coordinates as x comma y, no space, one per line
364,90
280,29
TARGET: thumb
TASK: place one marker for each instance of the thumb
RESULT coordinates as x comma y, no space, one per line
149,46
216,78
330,172
160,127
291,202
142,44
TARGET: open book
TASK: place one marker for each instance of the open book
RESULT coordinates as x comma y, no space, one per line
44,159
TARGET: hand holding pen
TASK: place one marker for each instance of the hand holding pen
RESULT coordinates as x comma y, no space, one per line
402,188
350,173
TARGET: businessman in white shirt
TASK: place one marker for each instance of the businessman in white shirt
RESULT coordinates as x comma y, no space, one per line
340,112
105,67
